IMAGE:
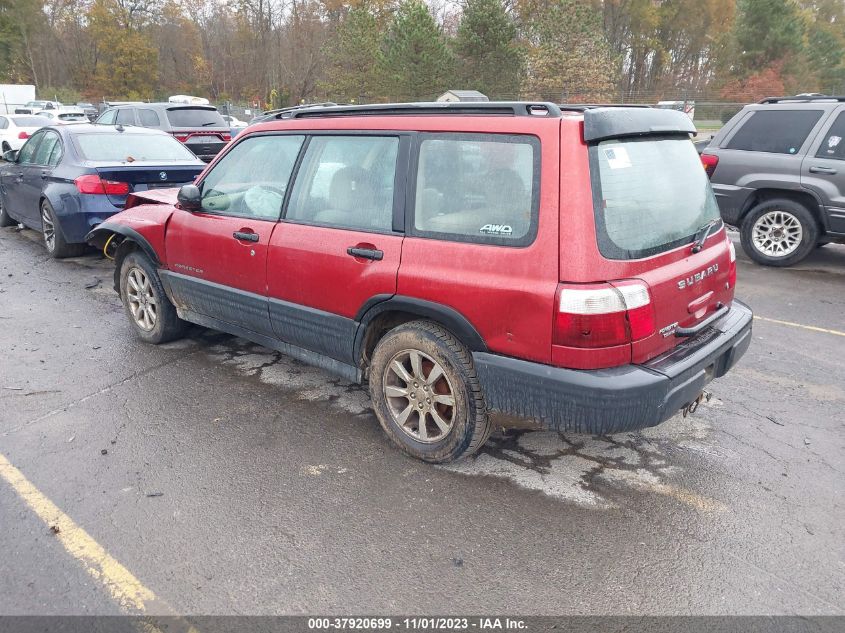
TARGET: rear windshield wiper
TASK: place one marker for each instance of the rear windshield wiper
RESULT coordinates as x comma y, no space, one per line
702,233
211,123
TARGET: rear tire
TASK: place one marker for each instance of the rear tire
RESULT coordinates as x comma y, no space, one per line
426,393
779,232
54,239
151,314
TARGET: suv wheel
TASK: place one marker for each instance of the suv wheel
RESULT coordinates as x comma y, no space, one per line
150,312
779,232
426,394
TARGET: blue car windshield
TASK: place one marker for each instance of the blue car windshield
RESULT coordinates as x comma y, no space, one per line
122,147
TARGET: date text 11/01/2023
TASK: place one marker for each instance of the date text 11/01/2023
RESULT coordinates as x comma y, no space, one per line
416,624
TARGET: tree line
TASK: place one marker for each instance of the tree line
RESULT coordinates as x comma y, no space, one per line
281,52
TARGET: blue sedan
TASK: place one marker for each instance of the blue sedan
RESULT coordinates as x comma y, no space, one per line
67,179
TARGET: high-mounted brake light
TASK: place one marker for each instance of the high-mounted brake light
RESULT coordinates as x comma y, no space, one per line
709,161
93,184
603,315
23,135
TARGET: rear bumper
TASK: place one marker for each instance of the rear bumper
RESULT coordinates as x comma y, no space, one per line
81,213
620,398
732,201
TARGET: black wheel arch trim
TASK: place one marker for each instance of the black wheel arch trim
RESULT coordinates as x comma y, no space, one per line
448,317
97,238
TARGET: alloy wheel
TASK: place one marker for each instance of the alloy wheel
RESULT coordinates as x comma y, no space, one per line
48,228
777,233
142,300
419,396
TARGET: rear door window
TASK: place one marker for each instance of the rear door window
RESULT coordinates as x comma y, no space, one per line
45,149
833,142
194,117
148,118
478,188
775,131
650,195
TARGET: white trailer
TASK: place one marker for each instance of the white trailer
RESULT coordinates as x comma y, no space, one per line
12,96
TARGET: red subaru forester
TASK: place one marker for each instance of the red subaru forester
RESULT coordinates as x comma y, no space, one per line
557,263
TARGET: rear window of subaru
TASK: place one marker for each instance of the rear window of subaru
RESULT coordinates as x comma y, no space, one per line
650,195
478,188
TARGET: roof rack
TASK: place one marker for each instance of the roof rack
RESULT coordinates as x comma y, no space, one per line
803,99
489,108
581,107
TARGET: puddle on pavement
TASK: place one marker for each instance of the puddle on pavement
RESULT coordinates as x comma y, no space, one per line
578,469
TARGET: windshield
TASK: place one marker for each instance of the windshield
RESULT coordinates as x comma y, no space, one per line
30,121
650,195
195,117
119,147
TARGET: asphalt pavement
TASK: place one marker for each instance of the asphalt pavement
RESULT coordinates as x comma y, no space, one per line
213,476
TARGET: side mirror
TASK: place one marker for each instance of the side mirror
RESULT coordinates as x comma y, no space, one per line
11,156
189,198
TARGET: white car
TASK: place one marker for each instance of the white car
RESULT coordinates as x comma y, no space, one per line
31,107
234,121
64,116
16,128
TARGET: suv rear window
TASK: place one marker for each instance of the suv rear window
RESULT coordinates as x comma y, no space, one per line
775,131
650,195
478,188
195,117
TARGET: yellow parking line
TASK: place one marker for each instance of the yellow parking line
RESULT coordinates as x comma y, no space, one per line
812,328
127,590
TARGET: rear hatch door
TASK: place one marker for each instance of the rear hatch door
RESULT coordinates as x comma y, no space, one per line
651,200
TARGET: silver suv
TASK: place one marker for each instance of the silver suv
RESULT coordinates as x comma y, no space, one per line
778,171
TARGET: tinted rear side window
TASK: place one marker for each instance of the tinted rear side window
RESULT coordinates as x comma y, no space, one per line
775,131
833,143
478,188
195,117
148,118
650,195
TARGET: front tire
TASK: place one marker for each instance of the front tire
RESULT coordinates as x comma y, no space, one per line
151,314
54,239
426,393
779,232
5,218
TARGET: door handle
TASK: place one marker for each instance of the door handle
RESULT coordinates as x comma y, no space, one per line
817,169
44,174
365,253
245,236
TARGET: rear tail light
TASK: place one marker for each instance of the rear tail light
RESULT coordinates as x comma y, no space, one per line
182,137
226,137
23,135
732,267
603,315
709,162
96,185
